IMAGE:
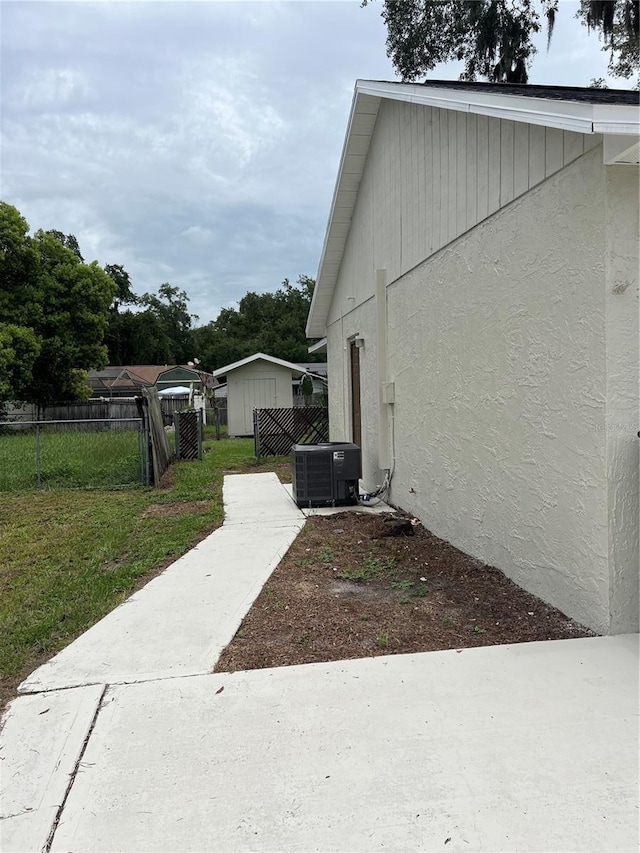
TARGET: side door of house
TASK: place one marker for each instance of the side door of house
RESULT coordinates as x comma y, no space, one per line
257,394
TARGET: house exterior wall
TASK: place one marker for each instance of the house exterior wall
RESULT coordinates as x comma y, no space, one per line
361,321
431,175
505,341
498,349
623,378
258,384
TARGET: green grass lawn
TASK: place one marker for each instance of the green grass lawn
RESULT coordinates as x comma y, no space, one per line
105,459
68,557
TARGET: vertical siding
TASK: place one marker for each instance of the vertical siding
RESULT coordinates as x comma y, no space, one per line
434,178
537,154
506,162
461,174
472,167
445,180
554,150
433,174
482,169
573,146
520,159
494,165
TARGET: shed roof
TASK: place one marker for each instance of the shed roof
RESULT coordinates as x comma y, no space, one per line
615,113
258,356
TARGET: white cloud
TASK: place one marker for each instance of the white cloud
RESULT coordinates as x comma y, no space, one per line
198,142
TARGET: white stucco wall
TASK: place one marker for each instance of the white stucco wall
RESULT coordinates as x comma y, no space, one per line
243,393
623,404
513,344
515,436
497,348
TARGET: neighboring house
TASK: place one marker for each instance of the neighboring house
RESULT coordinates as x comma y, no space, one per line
478,289
128,380
257,382
317,370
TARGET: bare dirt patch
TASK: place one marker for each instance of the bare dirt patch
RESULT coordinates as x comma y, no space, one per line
166,510
355,585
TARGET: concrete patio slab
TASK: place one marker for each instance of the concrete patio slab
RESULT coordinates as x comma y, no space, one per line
375,506
258,498
528,747
178,624
42,740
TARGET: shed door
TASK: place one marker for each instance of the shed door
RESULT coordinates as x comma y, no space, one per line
257,394
356,419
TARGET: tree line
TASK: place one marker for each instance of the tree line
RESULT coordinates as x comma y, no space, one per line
61,316
494,38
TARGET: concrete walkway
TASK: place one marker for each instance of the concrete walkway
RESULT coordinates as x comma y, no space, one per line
529,747
181,620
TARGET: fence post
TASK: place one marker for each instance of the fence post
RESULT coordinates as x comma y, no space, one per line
256,434
216,417
38,460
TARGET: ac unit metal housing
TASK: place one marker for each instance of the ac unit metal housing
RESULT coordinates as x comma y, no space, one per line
326,474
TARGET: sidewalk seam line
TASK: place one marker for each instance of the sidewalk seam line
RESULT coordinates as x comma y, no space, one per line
73,774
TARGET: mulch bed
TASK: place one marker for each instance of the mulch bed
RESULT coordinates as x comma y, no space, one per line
355,585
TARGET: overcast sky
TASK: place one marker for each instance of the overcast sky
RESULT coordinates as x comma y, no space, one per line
198,142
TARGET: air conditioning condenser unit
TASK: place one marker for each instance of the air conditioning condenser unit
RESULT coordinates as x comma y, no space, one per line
326,474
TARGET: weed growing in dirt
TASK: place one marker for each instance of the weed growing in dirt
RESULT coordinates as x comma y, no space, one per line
404,586
420,591
372,569
375,565
326,555
382,640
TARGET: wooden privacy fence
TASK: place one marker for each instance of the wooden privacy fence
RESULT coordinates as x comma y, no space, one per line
276,430
160,453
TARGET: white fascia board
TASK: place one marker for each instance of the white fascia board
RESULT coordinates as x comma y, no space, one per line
557,121
259,356
616,118
319,346
616,128
564,115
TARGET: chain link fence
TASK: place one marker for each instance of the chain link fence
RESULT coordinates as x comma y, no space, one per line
100,453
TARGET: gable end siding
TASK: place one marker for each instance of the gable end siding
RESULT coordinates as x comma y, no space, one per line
433,174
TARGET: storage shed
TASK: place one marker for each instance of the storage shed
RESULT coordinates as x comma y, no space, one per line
257,382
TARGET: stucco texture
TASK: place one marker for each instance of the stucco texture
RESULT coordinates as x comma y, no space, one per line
497,346
623,378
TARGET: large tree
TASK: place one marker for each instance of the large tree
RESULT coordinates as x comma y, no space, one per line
53,314
159,333
494,38
273,323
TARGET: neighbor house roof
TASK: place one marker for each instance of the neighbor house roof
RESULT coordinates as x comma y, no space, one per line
258,356
612,112
131,376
